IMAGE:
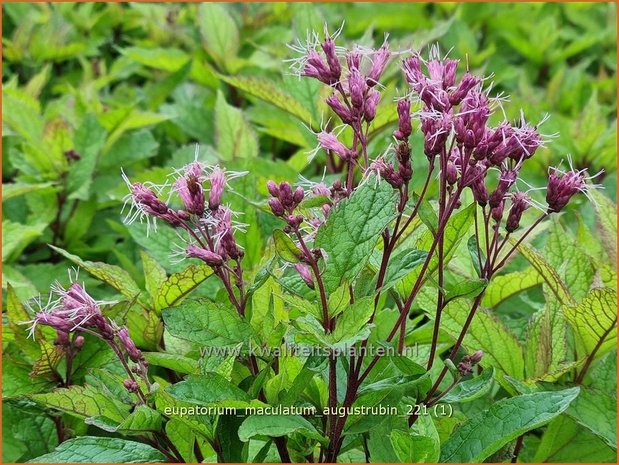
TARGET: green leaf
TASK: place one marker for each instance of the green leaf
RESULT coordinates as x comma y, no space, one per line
234,136
502,422
211,389
285,248
206,323
154,275
113,275
607,219
594,320
88,141
564,441
16,237
470,389
353,319
501,348
219,32
465,289
15,189
504,286
277,426
142,420
271,92
352,230
174,362
178,285
90,449
548,273
546,347
401,265
83,401
572,264
421,445
596,411
27,432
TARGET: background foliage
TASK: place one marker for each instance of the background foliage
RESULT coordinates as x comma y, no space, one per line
89,88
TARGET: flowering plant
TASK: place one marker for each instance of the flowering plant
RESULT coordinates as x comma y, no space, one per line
368,323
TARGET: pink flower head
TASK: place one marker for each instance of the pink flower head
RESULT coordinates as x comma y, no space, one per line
132,351
218,182
379,63
317,68
520,202
339,109
190,190
506,181
562,186
208,257
329,141
467,83
356,89
328,46
371,103
404,120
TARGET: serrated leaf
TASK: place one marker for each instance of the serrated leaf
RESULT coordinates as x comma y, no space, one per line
219,32
465,289
504,286
206,323
594,320
90,449
352,230
285,248
271,92
607,219
113,275
174,362
546,347
234,136
16,237
142,420
83,401
154,275
502,422
353,319
470,389
88,140
548,273
211,389
178,285
15,189
277,426
401,265
596,411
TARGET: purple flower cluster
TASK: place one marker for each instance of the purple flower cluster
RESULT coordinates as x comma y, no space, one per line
209,224
73,311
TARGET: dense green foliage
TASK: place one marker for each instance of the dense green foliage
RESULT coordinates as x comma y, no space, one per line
91,88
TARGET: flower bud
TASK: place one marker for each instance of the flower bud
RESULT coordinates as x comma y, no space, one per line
276,207
78,342
466,84
131,386
305,274
218,181
208,257
316,67
132,351
329,141
369,109
339,109
356,89
451,173
497,211
328,46
298,195
520,202
562,187
272,188
379,63
507,179
404,120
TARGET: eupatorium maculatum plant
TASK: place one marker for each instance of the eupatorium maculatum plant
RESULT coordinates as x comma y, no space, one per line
369,321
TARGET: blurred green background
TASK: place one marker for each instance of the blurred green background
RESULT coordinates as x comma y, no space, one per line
90,88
